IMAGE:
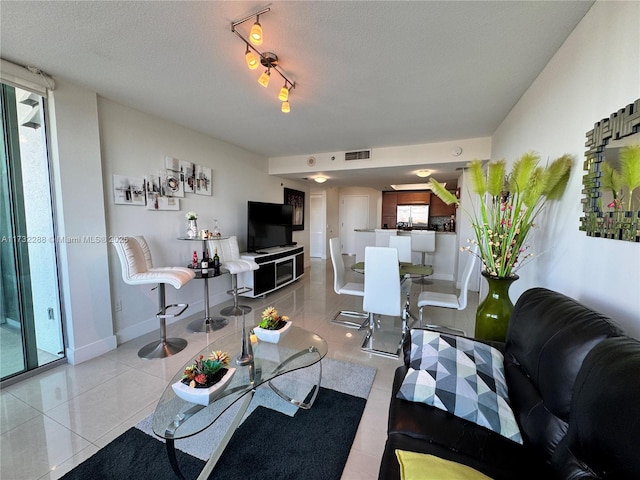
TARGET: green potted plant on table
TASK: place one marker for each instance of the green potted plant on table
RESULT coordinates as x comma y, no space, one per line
205,379
508,205
272,326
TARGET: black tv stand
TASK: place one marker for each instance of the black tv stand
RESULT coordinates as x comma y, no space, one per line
279,266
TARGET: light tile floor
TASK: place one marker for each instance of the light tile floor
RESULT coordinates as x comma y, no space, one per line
56,419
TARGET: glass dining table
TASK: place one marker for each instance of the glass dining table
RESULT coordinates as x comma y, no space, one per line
175,418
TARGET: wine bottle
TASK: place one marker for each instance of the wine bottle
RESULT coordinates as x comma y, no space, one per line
194,261
216,263
204,264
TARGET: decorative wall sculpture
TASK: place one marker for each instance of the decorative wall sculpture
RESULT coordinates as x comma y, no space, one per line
601,218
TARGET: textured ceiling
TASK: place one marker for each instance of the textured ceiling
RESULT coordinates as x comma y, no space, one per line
368,74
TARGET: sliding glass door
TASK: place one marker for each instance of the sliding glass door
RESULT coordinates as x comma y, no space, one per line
30,320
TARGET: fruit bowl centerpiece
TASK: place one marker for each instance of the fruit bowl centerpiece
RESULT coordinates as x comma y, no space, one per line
205,379
273,326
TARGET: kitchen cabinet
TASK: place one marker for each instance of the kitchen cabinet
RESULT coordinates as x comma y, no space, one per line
440,209
414,198
389,204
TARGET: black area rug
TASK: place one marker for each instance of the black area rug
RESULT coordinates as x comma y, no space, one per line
312,445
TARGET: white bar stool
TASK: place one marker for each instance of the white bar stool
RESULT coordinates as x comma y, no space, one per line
137,269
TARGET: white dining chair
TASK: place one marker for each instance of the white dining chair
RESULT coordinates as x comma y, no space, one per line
382,293
449,300
342,287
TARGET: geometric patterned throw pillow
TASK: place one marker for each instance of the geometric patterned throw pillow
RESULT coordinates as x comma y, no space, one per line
460,376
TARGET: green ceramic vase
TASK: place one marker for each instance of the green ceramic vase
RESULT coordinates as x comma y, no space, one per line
492,317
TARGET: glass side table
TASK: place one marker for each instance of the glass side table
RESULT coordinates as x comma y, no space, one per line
208,323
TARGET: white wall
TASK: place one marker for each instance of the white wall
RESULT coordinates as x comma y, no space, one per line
91,139
79,204
595,73
134,144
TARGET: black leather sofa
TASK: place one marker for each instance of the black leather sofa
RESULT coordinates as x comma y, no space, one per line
573,381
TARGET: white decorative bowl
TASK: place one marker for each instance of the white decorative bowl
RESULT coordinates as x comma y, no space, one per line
271,336
203,396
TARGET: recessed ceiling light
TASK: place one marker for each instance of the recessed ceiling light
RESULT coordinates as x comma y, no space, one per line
320,179
423,173
413,186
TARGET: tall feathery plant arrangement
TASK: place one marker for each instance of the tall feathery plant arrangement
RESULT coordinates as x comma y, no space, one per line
508,207
630,170
628,176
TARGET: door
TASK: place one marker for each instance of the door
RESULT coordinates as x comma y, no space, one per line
30,321
317,222
354,214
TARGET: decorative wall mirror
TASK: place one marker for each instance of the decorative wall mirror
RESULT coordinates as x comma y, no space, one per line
604,216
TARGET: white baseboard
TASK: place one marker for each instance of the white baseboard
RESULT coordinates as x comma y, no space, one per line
92,350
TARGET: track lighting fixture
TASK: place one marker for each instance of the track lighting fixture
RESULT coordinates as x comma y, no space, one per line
254,58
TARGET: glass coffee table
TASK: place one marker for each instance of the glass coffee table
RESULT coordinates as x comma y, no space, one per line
175,418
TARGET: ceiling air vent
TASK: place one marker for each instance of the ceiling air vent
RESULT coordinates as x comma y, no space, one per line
361,155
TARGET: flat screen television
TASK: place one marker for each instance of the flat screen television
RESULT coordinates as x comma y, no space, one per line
268,225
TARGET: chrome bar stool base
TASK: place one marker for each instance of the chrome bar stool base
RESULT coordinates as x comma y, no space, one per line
162,348
165,347
209,324
235,310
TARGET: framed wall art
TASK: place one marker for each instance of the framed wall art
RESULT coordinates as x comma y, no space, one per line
296,199
128,190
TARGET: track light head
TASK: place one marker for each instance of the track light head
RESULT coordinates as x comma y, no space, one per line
264,78
255,35
286,108
283,96
252,60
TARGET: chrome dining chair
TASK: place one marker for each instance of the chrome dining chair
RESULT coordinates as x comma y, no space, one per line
382,293
449,300
342,287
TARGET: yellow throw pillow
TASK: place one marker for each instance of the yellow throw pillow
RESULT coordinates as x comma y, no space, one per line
420,466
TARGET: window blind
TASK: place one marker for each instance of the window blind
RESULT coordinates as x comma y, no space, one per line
21,77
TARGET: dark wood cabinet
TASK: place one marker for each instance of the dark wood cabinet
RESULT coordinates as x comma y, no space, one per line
414,198
389,204
438,208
